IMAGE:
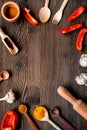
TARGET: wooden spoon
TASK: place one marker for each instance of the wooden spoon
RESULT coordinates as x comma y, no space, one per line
8,42
4,75
55,113
23,110
45,117
44,13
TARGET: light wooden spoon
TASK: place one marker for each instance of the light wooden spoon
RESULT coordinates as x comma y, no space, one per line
45,117
44,13
4,75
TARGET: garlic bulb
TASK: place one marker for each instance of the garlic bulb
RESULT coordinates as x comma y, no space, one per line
9,97
83,60
81,79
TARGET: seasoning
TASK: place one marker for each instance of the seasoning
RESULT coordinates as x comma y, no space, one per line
29,17
83,60
8,42
70,28
79,11
22,108
9,121
11,12
80,39
39,112
81,79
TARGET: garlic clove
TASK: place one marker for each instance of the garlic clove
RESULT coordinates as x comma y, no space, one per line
83,60
10,97
81,79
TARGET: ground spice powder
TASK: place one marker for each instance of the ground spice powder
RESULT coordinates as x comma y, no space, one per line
39,112
22,108
11,12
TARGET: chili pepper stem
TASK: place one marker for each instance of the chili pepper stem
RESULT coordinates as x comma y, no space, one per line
27,10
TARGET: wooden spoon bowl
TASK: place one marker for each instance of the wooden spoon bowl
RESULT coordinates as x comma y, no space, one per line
4,75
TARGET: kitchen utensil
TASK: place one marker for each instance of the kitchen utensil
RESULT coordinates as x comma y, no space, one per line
41,114
9,97
10,11
78,105
44,13
55,113
58,16
8,43
23,110
4,75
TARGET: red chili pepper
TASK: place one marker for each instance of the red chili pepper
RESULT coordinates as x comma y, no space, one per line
70,28
9,121
80,38
76,13
28,16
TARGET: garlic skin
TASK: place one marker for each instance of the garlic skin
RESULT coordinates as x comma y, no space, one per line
9,97
83,60
81,79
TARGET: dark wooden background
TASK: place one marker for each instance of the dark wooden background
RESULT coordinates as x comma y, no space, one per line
46,60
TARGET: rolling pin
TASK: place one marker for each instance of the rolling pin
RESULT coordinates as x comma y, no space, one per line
78,105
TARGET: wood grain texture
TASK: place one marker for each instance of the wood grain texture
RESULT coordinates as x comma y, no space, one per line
46,59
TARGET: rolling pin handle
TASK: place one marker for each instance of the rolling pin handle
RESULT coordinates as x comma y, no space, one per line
62,91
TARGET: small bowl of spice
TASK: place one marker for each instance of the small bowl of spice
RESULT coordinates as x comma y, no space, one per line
10,11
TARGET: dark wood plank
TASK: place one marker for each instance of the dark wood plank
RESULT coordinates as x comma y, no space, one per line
46,60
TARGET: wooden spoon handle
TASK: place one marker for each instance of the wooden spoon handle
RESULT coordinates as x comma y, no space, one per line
0,78
46,3
54,125
67,95
64,4
30,122
66,123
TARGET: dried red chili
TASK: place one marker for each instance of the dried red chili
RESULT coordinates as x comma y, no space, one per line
9,121
70,28
28,16
80,38
79,11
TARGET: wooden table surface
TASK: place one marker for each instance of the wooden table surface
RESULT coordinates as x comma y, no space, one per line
46,59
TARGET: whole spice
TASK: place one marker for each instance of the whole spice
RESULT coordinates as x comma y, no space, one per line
81,79
9,97
79,11
39,112
70,28
29,18
83,60
80,38
9,121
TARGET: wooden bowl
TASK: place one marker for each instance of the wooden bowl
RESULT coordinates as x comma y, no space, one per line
10,11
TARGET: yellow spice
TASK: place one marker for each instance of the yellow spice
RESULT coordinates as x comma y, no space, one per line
39,112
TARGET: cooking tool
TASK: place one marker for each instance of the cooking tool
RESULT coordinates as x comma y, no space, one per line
45,117
24,112
58,16
78,105
8,43
9,97
4,75
10,11
44,13
55,113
